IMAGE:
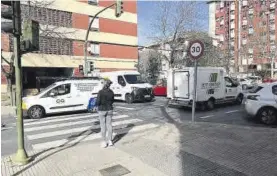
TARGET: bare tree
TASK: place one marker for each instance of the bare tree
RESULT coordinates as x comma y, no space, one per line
173,22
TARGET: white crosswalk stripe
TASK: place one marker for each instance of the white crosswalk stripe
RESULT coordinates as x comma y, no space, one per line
65,130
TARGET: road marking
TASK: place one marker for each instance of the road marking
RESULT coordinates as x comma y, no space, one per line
232,111
83,138
60,119
204,117
69,124
121,107
76,130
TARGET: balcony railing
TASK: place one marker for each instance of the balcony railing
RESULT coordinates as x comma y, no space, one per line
232,25
232,7
244,22
272,5
232,17
244,3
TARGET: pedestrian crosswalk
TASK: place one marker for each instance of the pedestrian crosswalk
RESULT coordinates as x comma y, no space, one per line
56,131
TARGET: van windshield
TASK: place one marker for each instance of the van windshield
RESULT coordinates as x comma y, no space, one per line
133,79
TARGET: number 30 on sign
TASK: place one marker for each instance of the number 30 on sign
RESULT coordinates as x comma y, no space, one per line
195,49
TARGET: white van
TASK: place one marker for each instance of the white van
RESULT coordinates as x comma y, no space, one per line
62,96
213,87
128,86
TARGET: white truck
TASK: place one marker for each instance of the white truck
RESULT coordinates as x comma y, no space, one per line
213,87
128,86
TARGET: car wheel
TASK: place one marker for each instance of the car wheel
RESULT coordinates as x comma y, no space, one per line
129,98
267,115
210,104
36,112
239,99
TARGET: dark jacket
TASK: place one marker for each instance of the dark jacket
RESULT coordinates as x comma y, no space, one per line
105,99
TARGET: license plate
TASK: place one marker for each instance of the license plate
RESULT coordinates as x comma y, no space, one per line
147,96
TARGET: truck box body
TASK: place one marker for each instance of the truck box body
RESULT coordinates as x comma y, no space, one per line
211,83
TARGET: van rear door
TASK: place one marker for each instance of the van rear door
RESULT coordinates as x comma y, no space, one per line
181,84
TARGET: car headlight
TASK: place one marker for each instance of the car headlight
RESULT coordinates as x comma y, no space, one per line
24,106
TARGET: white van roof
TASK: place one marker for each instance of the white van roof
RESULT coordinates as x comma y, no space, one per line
78,80
122,72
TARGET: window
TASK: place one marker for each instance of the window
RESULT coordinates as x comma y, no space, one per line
274,89
94,49
121,81
133,79
256,89
59,90
95,24
93,2
228,82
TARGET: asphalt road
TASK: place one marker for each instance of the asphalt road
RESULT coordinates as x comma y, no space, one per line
56,130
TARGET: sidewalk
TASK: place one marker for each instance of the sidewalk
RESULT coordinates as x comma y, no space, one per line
8,111
177,150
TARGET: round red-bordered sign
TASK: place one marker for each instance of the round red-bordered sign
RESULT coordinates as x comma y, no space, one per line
195,49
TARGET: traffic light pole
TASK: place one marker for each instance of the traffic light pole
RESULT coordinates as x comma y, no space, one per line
21,156
86,39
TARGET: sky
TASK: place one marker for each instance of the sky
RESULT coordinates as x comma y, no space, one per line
147,11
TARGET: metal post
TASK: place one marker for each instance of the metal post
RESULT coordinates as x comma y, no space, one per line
86,39
194,90
21,155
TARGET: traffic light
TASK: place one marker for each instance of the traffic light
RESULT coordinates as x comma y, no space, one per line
7,21
91,66
118,8
11,23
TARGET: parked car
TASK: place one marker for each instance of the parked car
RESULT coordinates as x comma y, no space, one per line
246,83
269,80
261,103
160,90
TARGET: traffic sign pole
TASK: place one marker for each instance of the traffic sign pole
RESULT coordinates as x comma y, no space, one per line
194,90
195,50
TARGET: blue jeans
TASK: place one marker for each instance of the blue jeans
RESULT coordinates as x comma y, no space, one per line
105,118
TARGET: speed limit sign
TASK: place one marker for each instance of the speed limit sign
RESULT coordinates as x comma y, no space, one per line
196,49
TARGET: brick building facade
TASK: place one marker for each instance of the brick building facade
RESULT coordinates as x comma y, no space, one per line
112,41
246,30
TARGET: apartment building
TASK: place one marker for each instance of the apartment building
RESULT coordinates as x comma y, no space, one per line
246,32
63,25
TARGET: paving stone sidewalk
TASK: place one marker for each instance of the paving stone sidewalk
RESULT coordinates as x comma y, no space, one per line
188,149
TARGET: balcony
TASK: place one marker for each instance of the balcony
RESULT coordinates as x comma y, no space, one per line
244,41
272,27
250,50
251,30
232,35
232,25
221,38
221,4
232,7
251,12
272,37
233,43
244,22
245,3
272,17
272,5
232,16
221,22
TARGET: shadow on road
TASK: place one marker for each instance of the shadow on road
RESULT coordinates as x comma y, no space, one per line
195,165
69,144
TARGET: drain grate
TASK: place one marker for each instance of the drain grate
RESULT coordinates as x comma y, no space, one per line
116,170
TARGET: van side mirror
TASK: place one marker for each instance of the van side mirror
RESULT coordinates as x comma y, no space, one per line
52,94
